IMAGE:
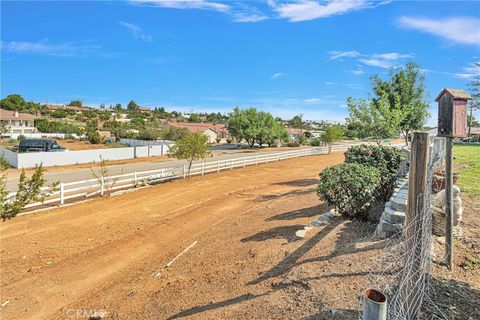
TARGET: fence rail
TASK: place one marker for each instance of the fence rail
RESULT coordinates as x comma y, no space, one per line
78,190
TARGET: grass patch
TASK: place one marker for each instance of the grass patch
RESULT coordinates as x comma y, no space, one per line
467,159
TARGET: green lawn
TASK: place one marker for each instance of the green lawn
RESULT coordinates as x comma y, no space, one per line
467,161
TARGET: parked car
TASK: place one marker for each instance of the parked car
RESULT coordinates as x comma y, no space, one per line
39,145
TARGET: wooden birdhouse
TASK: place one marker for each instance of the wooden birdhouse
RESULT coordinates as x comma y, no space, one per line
452,113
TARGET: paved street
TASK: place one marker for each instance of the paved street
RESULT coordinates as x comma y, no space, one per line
77,174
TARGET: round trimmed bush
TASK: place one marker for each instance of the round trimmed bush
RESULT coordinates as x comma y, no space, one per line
315,142
350,188
386,159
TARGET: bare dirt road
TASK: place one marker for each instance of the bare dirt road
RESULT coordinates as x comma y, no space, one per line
109,255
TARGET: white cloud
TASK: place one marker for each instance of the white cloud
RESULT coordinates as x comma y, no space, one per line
377,63
248,17
277,75
343,54
186,4
463,30
357,72
44,47
304,10
137,32
329,83
382,60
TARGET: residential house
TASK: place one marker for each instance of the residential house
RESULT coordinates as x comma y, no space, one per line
211,130
294,134
16,122
145,110
54,107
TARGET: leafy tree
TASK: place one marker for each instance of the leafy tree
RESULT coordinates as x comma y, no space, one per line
13,102
331,134
216,118
474,104
194,118
403,92
76,103
29,189
191,147
118,129
89,113
255,127
118,107
3,129
92,133
59,114
297,121
149,133
105,115
133,107
366,121
173,133
43,125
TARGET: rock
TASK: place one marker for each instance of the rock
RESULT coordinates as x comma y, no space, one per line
301,233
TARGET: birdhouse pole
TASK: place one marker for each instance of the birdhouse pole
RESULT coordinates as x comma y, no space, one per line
452,123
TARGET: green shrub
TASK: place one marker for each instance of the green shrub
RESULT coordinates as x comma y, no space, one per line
386,159
293,144
21,137
315,142
350,188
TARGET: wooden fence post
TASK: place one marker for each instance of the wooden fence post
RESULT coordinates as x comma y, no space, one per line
417,188
449,202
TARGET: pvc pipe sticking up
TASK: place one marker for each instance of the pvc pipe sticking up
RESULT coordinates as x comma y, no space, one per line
374,305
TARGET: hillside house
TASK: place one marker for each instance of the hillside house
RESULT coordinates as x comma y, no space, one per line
16,122
294,134
211,130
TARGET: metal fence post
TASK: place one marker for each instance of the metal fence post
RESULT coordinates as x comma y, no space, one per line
62,193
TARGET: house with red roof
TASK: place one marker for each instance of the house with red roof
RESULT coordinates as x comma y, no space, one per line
17,122
211,130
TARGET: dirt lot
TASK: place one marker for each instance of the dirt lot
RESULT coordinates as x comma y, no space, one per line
104,255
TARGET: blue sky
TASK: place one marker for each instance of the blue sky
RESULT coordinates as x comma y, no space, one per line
286,57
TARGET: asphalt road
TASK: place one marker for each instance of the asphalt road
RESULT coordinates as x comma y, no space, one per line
77,174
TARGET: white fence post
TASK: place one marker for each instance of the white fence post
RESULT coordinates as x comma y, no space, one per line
244,162
101,186
135,179
62,193
256,160
203,168
218,165
184,171
231,164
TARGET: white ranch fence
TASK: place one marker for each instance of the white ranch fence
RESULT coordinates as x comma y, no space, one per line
79,190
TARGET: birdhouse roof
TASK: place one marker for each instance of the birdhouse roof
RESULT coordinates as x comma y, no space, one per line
456,93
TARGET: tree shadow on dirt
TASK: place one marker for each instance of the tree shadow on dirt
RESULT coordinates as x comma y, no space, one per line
301,213
348,237
299,183
285,232
293,193
335,314
452,299
291,260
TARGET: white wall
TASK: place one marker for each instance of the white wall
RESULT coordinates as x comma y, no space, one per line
29,160
10,157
